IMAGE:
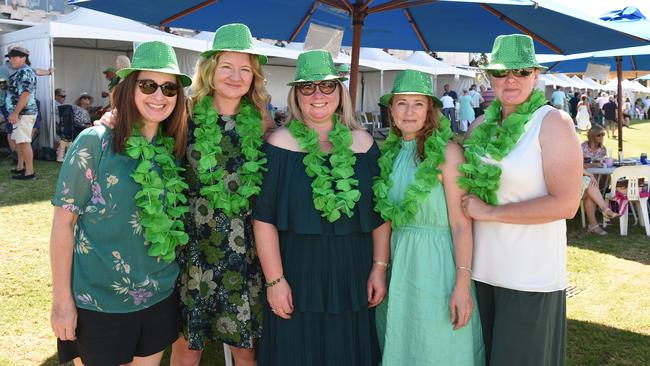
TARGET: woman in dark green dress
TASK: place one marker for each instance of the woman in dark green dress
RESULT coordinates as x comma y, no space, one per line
221,279
323,249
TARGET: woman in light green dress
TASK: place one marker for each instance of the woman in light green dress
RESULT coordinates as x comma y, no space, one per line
428,317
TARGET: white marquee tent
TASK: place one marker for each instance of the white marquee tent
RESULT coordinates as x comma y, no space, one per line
80,45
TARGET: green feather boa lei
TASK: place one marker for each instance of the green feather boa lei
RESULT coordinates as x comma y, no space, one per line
426,176
495,141
161,200
329,202
208,143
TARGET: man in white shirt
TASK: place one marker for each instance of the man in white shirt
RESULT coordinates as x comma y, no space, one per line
558,97
601,100
477,99
449,110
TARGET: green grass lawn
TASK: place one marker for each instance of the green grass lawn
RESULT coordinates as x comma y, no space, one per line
609,320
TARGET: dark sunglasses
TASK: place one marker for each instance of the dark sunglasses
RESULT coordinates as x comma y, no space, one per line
148,87
326,87
522,73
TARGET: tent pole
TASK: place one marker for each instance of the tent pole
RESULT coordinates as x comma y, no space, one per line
51,122
619,78
381,83
358,16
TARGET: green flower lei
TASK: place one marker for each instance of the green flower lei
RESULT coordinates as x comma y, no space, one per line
326,200
208,143
495,141
161,200
426,177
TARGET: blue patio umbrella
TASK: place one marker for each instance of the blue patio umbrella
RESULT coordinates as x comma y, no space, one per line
442,25
619,59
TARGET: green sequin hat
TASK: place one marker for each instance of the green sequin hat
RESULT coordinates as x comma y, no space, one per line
157,57
315,65
513,51
234,38
414,82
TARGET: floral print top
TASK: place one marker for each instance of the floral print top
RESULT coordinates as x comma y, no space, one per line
587,152
111,270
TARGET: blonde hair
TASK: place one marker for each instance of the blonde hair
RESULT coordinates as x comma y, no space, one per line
202,83
344,109
122,62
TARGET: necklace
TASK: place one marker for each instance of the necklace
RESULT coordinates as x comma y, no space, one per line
161,200
495,141
426,176
330,202
208,143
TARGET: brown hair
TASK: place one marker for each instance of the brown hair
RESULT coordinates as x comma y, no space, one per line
126,114
432,122
593,132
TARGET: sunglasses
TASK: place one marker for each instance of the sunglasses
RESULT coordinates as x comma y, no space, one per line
601,135
148,87
326,87
521,73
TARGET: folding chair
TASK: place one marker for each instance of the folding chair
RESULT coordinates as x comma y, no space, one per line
634,194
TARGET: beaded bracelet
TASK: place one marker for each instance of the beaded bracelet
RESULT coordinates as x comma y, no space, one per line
274,282
464,268
383,264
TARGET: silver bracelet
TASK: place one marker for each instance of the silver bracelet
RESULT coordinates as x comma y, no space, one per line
464,268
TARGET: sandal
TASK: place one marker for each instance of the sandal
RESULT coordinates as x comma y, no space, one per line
596,229
611,214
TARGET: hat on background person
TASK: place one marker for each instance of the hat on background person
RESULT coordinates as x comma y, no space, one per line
85,95
17,51
109,69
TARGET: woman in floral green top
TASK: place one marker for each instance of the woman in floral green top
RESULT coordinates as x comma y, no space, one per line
221,279
117,222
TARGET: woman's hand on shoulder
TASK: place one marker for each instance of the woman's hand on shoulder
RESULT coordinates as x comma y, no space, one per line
282,138
361,141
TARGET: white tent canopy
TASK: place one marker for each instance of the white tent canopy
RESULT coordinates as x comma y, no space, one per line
80,45
432,66
582,83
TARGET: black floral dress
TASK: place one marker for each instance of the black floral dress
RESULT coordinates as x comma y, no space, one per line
221,278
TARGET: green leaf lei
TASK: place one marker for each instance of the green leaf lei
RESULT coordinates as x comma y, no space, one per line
426,177
494,141
208,143
161,200
326,200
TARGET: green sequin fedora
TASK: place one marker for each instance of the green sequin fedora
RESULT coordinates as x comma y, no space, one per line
513,51
155,56
315,65
234,38
414,82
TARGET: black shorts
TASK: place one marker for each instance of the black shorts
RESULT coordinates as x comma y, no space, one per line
115,338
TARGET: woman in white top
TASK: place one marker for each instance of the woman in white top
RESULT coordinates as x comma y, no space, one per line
523,174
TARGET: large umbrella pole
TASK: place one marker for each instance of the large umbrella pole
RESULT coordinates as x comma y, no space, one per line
357,22
619,76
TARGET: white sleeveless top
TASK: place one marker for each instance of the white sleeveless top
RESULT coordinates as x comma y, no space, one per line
516,256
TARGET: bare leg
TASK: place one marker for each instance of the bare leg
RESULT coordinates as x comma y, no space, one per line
77,362
243,356
593,194
25,150
590,210
182,355
152,360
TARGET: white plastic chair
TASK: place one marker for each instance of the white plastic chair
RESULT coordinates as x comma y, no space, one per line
632,174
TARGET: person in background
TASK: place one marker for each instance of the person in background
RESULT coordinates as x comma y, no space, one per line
627,111
594,154
477,99
583,118
601,100
80,114
344,72
523,176
428,316
558,98
122,62
21,106
646,107
113,241
610,109
113,80
449,111
323,249
488,96
466,112
573,105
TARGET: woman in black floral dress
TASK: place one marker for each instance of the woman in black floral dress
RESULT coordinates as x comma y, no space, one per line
221,280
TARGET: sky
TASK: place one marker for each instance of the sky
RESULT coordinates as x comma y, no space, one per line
599,7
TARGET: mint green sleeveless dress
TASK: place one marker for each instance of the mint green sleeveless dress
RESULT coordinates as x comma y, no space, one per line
413,321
